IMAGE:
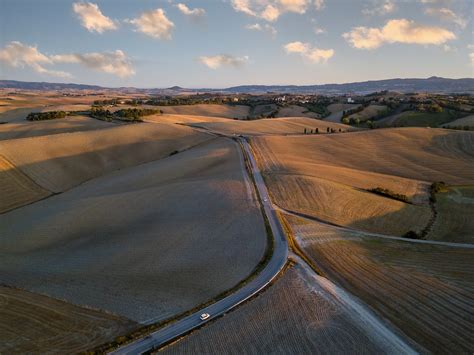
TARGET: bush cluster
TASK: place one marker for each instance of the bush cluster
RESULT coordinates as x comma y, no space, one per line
43,116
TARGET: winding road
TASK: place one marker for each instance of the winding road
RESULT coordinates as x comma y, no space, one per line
271,270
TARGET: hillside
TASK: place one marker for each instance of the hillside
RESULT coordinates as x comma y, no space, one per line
307,174
432,84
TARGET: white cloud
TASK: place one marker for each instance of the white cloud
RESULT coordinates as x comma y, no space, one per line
471,57
154,23
446,14
319,30
271,10
116,63
19,55
92,18
265,28
217,61
397,31
197,12
379,8
313,54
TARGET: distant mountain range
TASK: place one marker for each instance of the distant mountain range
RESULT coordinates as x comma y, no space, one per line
432,84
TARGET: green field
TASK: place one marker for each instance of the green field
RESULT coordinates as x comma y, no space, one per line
425,119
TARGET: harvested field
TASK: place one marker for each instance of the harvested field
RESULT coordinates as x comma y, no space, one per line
272,126
61,161
147,242
424,290
410,153
43,128
343,205
455,222
327,168
17,189
17,114
295,315
368,112
33,323
296,111
214,110
462,122
66,107
183,119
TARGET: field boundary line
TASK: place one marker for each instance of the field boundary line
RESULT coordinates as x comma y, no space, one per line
371,234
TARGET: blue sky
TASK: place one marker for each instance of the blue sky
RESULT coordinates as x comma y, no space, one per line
204,43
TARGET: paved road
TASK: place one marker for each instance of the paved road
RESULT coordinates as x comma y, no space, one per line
276,263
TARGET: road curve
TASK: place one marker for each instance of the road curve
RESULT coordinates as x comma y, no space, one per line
271,270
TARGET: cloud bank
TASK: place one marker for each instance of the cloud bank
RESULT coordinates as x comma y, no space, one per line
315,55
217,61
19,55
397,31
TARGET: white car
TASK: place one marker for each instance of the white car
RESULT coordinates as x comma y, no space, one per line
204,316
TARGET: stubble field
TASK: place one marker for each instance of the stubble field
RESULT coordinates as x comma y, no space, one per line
424,290
146,242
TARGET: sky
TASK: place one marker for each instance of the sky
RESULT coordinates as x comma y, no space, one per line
223,43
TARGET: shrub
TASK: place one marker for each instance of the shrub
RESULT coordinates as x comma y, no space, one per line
436,187
388,193
412,235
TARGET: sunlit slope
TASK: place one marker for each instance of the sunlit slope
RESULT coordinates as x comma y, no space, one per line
59,162
327,176
215,110
146,242
17,189
278,126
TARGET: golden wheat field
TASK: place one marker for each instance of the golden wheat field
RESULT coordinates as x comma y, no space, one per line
16,188
272,126
213,110
342,167
61,161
